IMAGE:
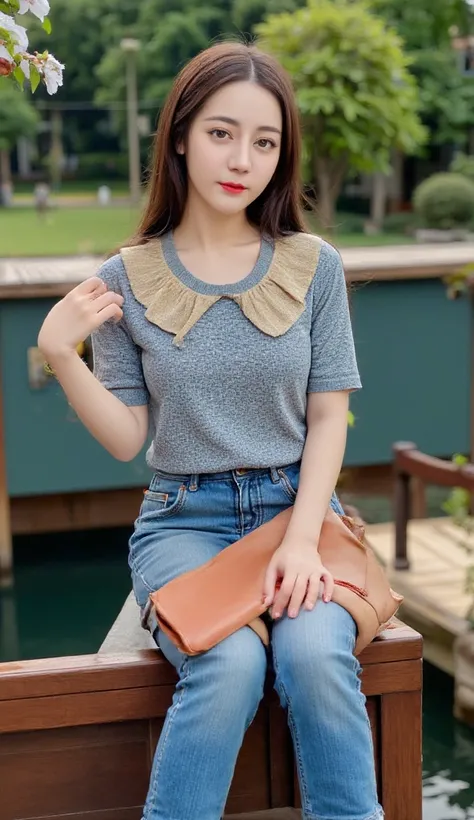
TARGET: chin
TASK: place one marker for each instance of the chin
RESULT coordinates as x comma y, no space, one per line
229,207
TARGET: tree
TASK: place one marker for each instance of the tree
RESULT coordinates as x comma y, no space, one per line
171,32
355,93
426,28
18,118
246,14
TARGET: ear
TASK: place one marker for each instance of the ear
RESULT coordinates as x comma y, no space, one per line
180,148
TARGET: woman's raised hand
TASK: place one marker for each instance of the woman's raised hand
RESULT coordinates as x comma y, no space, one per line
82,310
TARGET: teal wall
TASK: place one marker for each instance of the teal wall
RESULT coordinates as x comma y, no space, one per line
48,450
413,350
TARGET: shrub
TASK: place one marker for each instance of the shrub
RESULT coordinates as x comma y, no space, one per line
401,222
445,201
102,166
464,165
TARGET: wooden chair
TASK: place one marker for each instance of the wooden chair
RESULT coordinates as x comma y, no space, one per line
413,470
77,734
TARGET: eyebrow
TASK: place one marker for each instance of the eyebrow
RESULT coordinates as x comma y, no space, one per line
231,121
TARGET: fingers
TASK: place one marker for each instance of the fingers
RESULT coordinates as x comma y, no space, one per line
298,595
107,299
283,595
328,582
99,290
315,590
269,584
110,312
89,286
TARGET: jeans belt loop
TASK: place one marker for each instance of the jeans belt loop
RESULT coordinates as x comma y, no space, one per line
194,482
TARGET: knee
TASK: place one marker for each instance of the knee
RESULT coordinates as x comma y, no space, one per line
239,663
231,675
314,655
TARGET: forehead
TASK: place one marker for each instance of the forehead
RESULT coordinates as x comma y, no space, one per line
246,102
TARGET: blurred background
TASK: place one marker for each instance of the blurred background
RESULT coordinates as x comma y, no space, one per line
386,94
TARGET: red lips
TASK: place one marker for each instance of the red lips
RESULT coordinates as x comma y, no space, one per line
232,187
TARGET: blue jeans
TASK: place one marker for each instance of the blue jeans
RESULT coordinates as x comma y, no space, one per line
183,522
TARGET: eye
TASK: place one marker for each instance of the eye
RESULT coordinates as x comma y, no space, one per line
266,144
219,133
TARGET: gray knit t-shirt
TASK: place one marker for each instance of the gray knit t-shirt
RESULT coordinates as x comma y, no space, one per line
226,369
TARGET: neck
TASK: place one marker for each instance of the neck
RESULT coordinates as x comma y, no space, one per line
207,229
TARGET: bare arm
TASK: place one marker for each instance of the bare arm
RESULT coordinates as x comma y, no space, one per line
297,560
323,454
121,429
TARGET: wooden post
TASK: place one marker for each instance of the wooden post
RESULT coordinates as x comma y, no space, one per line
6,548
402,515
401,755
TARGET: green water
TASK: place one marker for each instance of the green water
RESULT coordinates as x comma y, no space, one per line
69,588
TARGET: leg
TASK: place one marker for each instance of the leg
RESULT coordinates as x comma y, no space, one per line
317,678
214,703
217,694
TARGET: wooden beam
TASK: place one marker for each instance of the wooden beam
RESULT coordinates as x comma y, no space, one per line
75,511
401,755
6,549
95,509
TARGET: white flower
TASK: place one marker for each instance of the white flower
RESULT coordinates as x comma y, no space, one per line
40,8
5,55
25,67
18,33
53,74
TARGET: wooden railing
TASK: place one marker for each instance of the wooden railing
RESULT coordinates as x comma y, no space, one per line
409,464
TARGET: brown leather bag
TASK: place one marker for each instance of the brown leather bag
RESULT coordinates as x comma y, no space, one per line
200,608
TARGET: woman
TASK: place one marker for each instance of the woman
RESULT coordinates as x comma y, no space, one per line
224,329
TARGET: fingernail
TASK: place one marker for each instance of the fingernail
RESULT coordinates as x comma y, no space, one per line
325,599
292,613
276,615
310,606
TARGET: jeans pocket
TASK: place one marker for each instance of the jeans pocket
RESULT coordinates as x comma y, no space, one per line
158,504
288,483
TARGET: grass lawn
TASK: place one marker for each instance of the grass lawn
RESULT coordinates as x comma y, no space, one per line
94,230
64,231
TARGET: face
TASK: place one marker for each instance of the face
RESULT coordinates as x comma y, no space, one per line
233,146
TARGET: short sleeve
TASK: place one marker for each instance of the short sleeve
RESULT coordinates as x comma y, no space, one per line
333,357
116,357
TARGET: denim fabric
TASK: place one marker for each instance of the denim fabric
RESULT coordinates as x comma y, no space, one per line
183,522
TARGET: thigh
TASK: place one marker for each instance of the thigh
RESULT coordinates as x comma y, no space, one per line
157,555
315,650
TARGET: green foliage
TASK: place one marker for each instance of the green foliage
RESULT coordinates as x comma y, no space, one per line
457,506
356,95
424,24
246,14
102,166
457,503
170,33
447,96
464,165
403,222
17,116
445,201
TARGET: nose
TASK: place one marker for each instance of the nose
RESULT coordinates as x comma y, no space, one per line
240,159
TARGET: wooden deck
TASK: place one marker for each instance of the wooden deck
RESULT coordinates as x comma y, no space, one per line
436,603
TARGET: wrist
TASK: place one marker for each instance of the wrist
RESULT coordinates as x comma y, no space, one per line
59,357
301,540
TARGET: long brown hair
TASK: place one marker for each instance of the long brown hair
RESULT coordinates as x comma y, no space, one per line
278,210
